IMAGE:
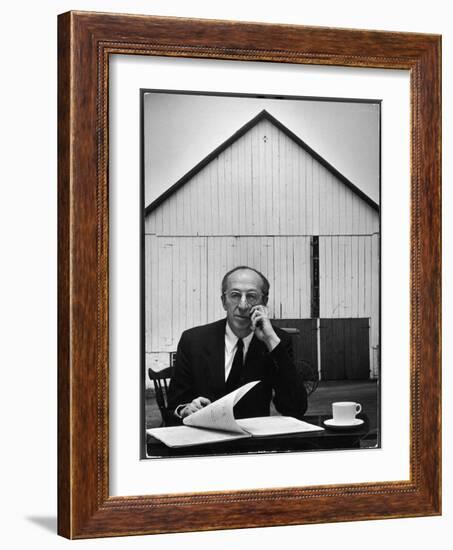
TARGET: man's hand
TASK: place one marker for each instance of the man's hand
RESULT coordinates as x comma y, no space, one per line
194,406
261,326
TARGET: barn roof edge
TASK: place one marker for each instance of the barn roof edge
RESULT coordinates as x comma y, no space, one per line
264,114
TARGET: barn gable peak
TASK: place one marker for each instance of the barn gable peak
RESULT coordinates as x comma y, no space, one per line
262,115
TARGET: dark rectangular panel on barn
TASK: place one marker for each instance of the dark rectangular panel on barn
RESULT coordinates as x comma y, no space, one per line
345,349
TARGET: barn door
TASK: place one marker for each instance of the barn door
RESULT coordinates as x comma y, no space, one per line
345,349
305,344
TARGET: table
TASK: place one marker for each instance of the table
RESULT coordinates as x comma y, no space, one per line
309,441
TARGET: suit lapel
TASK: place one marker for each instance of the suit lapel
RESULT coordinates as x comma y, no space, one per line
255,351
254,360
216,357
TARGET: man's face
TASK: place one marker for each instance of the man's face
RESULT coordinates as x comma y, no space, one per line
244,290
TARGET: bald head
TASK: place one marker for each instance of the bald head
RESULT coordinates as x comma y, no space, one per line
262,281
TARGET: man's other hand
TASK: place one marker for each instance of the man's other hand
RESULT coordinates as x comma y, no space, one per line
196,405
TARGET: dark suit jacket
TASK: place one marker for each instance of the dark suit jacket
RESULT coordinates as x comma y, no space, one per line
200,371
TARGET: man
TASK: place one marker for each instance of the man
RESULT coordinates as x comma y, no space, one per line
214,359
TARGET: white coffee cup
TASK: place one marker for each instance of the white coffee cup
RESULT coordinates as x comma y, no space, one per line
344,412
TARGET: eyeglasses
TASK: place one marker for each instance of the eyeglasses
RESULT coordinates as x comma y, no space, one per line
252,298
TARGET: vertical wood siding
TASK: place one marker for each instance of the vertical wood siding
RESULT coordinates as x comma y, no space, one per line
257,203
349,282
263,184
180,294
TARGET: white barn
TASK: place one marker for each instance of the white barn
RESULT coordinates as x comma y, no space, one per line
264,198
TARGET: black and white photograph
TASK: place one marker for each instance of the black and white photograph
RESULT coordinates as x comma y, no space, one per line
260,273
227,256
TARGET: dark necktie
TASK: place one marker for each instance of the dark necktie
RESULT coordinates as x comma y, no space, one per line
235,373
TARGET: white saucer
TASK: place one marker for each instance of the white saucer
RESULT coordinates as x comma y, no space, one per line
330,423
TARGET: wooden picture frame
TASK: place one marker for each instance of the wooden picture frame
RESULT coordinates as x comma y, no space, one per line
85,508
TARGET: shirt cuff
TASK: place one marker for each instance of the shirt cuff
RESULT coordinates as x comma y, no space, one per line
179,408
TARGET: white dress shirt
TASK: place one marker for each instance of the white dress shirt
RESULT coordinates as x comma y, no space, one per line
231,344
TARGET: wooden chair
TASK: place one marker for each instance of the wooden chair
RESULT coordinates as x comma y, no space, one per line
161,381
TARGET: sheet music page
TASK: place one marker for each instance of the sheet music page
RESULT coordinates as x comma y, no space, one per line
219,415
276,425
186,436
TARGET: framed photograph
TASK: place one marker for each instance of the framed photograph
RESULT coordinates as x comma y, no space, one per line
249,275
261,197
